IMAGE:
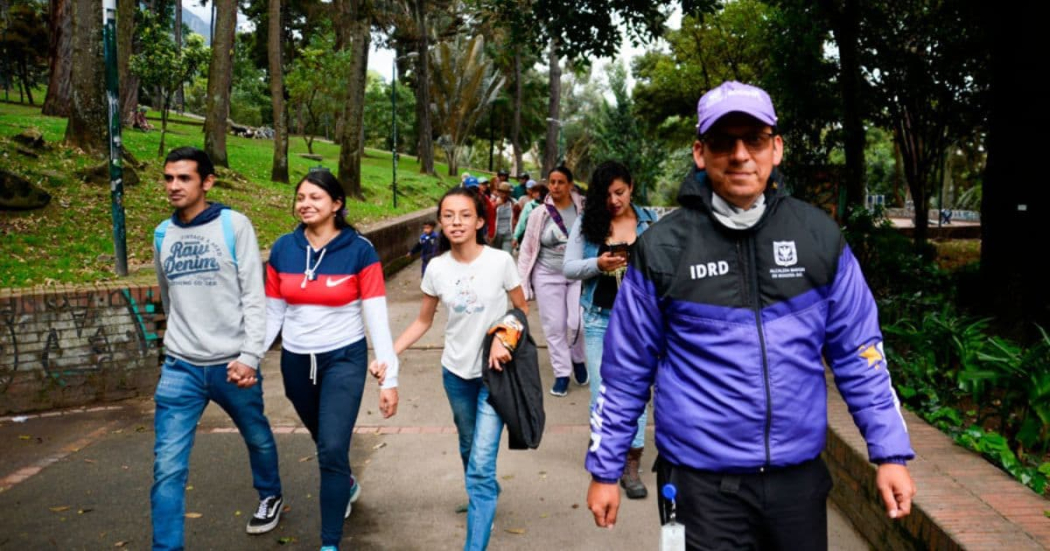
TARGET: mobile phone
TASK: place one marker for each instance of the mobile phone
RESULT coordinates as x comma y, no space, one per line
618,249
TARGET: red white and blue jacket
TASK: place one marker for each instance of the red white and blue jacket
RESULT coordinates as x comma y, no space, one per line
321,300
732,329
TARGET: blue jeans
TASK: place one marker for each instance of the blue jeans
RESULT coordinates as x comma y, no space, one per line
595,323
328,409
182,394
480,429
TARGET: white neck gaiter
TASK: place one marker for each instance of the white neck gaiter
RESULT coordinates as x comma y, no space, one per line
735,217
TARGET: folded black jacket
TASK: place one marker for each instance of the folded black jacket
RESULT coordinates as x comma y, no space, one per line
516,393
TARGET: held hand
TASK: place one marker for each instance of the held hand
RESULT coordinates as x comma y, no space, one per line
388,402
607,262
498,355
240,374
604,501
378,370
896,487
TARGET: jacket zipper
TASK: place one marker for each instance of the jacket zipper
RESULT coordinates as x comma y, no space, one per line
757,306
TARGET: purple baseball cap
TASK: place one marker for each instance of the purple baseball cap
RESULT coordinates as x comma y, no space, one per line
730,97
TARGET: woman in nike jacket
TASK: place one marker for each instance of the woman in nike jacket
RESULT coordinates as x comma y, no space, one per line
324,284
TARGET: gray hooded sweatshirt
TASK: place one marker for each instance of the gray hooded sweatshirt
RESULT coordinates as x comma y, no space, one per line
213,296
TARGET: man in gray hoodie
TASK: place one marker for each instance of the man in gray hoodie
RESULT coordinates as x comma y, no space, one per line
211,284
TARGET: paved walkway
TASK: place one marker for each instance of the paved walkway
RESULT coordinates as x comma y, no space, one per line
80,479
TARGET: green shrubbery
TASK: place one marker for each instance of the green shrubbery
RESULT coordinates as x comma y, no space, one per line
992,395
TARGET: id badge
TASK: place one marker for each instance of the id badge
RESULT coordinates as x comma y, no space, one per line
672,537
672,534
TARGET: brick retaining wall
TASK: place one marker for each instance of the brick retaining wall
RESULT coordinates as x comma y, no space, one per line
74,345
963,501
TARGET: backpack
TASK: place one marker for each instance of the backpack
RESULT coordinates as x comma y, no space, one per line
227,232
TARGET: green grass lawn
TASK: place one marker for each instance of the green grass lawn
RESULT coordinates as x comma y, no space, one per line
70,241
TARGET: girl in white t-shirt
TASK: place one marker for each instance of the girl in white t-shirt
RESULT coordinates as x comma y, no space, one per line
473,281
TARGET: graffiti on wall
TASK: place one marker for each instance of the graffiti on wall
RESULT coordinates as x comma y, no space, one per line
61,336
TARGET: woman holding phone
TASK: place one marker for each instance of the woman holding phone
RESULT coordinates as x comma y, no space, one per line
597,252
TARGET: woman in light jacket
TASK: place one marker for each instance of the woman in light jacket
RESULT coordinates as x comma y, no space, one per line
540,266
596,254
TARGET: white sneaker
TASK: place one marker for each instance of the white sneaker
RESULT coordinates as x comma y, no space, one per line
355,493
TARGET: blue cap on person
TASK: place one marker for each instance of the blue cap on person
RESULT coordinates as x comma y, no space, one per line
734,97
470,181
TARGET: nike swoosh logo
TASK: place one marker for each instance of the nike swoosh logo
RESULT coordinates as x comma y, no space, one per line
333,282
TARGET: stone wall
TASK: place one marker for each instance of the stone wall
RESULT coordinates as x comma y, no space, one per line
69,346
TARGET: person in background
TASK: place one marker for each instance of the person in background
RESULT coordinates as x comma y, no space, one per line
474,185
597,255
537,193
504,217
517,191
427,246
540,267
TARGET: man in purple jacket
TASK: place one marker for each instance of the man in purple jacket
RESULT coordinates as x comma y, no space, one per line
729,310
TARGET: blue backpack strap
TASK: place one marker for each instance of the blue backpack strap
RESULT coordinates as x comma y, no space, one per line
227,232
158,235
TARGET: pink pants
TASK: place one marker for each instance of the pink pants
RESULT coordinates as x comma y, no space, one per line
559,302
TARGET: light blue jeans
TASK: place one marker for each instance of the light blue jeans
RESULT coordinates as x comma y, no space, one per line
595,323
480,429
182,394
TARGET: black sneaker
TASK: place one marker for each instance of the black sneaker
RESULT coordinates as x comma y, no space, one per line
267,516
579,372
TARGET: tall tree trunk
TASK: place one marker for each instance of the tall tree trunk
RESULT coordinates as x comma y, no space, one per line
845,24
425,145
129,83
179,100
550,156
218,103
916,154
88,113
515,129
351,143
279,171
60,58
23,73
1014,204
163,125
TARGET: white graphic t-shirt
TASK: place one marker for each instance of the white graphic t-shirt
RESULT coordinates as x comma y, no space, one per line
475,295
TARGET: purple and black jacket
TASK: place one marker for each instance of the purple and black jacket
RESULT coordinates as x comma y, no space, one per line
732,328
